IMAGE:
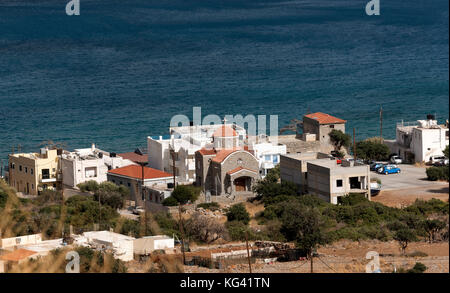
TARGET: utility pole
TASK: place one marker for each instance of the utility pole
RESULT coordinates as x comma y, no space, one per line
311,260
181,234
354,145
172,154
381,123
248,253
143,195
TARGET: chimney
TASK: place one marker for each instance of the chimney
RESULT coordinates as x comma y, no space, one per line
93,147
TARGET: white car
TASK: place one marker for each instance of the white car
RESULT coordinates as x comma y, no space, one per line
138,210
396,160
438,160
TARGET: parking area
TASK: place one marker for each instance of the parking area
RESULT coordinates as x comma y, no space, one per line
410,177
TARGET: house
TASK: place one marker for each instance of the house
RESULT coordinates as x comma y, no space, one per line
180,146
226,168
87,164
133,176
31,173
320,125
268,154
121,246
138,156
418,141
316,173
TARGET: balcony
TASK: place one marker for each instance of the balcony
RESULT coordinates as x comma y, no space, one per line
46,178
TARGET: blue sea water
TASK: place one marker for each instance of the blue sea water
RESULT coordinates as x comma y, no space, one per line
119,71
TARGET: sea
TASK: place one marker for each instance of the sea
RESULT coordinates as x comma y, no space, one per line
120,70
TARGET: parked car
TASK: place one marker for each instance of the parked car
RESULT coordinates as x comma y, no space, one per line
138,210
375,166
396,160
438,160
389,169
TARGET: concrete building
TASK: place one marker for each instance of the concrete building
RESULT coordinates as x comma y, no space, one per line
148,244
87,164
121,246
320,125
293,168
30,173
315,173
226,171
418,141
131,177
139,155
184,141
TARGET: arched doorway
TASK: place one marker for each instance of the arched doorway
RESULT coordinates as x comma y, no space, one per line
242,184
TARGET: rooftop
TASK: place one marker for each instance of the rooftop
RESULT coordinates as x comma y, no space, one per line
225,131
18,255
323,118
135,171
107,236
133,156
235,170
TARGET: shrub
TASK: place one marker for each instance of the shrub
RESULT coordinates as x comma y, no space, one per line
352,199
212,206
418,268
185,193
170,201
237,230
90,185
238,213
437,173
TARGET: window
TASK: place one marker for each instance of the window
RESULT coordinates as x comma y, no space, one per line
332,126
45,174
275,159
31,171
26,169
267,157
339,183
90,172
20,167
129,185
32,186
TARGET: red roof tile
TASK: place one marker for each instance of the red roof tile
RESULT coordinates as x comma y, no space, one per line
239,169
225,131
132,156
325,118
135,171
17,255
207,152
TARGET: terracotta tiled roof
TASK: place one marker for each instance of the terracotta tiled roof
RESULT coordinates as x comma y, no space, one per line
207,152
132,156
223,154
239,169
225,131
135,171
17,255
325,118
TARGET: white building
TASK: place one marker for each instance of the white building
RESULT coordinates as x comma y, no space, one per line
184,141
268,154
418,141
148,244
87,164
121,246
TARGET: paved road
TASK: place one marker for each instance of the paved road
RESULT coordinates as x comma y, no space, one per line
410,177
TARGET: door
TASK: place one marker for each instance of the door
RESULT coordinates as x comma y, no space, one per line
239,184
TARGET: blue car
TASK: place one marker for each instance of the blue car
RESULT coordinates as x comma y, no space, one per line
389,169
375,166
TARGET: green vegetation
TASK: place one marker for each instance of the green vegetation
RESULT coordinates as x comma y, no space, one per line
437,173
182,194
238,213
90,185
270,191
372,149
112,195
339,140
445,151
212,206
417,269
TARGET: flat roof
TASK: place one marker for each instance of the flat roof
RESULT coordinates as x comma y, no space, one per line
338,168
156,237
107,236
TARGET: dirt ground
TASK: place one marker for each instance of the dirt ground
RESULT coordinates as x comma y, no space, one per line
349,257
403,197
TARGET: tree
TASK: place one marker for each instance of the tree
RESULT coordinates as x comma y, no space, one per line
418,268
269,188
303,225
339,139
112,195
204,228
372,150
404,236
445,151
184,194
432,227
238,213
